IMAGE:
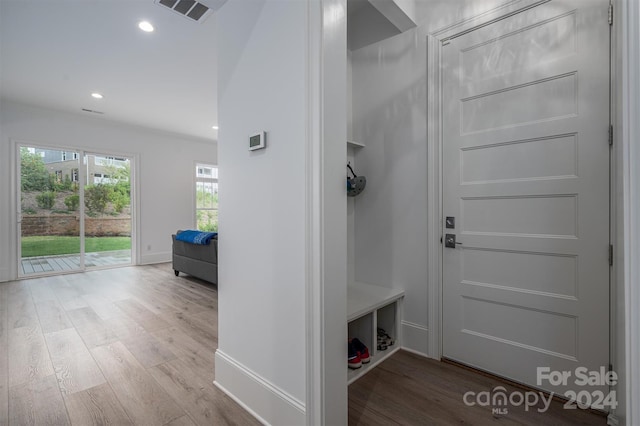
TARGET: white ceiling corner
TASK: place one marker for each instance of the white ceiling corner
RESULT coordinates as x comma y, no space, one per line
55,53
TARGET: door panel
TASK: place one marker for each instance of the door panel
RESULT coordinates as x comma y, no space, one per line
49,211
526,174
107,210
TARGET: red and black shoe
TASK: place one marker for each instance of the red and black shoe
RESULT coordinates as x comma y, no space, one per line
353,360
362,350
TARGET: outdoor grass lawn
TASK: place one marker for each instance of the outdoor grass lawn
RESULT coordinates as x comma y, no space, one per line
53,245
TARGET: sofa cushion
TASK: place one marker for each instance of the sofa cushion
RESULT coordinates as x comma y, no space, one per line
206,253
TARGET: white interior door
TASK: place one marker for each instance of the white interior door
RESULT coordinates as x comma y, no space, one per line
526,176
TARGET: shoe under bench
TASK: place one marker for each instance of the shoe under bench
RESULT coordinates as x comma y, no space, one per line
370,307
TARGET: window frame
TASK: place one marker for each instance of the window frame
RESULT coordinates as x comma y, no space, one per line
203,178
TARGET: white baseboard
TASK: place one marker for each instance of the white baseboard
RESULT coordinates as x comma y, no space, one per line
151,258
265,401
5,275
415,338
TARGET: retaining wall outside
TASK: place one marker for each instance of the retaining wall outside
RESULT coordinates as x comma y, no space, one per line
69,224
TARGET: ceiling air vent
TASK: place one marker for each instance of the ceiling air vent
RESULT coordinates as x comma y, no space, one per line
192,9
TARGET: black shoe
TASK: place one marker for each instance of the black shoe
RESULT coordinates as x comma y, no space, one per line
353,360
362,350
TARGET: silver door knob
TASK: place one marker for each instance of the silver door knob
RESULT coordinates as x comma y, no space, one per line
450,241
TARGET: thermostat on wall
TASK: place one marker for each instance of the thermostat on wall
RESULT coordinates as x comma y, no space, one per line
257,141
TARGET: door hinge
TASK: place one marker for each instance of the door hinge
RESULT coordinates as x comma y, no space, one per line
610,134
610,255
610,13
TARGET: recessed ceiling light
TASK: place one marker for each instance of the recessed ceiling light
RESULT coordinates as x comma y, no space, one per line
214,127
145,26
97,95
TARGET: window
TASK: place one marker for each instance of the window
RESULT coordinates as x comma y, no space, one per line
110,161
103,178
74,175
205,171
69,156
58,176
207,197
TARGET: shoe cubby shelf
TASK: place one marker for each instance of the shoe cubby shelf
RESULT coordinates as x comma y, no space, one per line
370,307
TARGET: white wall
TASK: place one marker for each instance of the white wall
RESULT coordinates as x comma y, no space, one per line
262,276
283,255
166,168
351,213
389,117
390,215
330,165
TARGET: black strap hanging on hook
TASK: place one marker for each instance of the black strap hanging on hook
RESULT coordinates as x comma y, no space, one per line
355,185
352,172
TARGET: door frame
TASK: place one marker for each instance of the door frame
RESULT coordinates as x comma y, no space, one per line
435,216
134,197
625,179
17,186
16,212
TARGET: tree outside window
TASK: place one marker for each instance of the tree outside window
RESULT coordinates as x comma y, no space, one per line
207,197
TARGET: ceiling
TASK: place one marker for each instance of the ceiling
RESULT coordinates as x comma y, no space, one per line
55,53
366,25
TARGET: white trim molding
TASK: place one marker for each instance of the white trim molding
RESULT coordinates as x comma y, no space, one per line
629,93
257,395
151,258
135,211
14,226
434,196
4,275
314,294
415,338
326,212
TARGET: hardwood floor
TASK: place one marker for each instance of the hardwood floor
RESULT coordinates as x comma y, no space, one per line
4,358
127,346
135,346
407,389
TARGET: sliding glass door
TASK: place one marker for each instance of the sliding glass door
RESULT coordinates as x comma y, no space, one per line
50,201
75,211
107,213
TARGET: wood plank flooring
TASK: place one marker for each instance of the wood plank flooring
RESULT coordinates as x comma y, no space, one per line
4,360
407,389
135,346
127,346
